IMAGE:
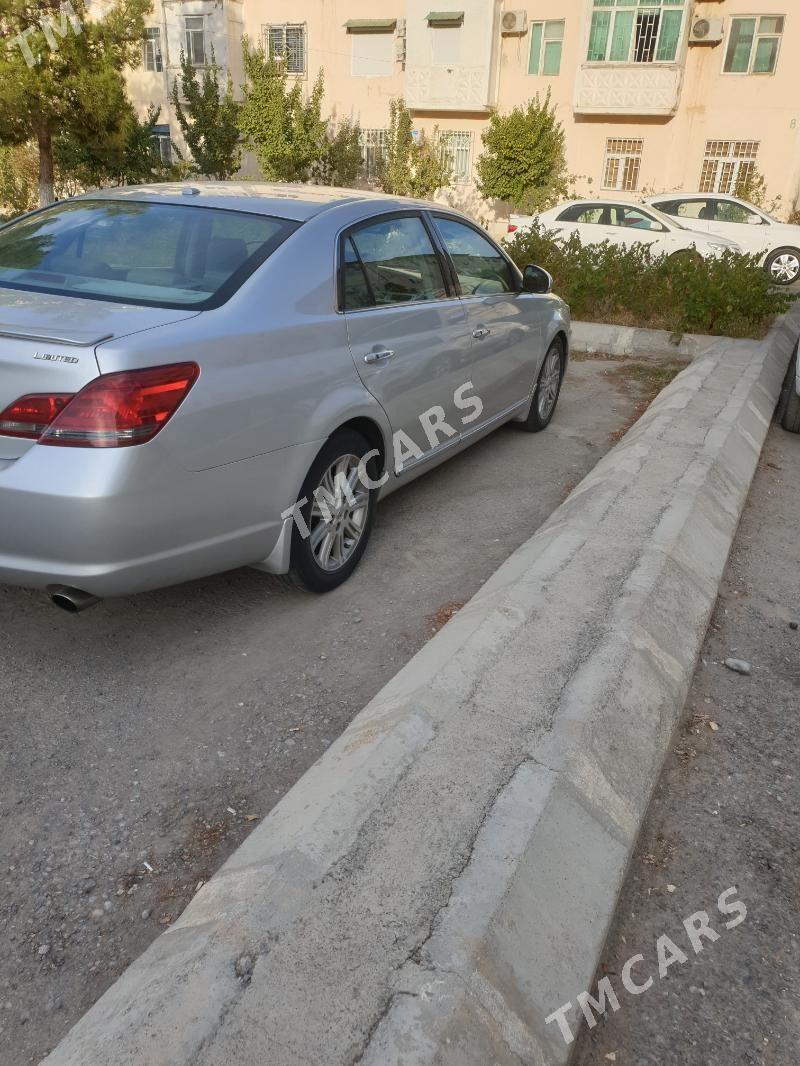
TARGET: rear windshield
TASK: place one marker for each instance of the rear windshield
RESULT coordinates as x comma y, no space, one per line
163,255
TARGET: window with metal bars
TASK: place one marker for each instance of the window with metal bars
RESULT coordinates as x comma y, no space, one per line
621,165
455,147
287,41
151,49
728,165
161,143
195,29
373,148
623,31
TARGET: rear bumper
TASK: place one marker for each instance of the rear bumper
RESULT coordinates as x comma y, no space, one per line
118,522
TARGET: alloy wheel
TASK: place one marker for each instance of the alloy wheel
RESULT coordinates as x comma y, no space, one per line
785,267
549,382
338,514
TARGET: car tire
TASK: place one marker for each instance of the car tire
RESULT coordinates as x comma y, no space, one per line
783,265
789,411
687,255
309,568
547,391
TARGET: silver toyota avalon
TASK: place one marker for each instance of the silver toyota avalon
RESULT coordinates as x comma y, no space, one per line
196,378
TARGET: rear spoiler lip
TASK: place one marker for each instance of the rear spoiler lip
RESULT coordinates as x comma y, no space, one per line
74,340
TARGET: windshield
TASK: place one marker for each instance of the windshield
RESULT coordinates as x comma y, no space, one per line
668,220
162,255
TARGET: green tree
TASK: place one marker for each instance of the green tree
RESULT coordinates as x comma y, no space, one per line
19,177
209,120
343,156
410,167
286,131
61,74
523,162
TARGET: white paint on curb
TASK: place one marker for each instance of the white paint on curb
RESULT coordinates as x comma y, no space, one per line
443,878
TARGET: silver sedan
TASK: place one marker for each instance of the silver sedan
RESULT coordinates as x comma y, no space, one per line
196,378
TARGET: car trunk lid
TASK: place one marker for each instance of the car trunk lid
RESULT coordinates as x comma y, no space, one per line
47,344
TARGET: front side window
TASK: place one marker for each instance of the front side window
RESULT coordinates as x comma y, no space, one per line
728,165
623,31
730,211
547,39
622,162
632,218
480,268
753,45
195,40
161,255
151,49
390,262
287,41
455,147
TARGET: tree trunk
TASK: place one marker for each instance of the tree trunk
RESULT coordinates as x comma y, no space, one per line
45,168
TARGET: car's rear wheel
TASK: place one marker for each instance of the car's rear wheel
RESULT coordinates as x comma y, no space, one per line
337,511
548,388
783,266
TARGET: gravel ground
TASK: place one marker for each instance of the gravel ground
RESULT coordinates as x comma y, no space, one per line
141,740
726,812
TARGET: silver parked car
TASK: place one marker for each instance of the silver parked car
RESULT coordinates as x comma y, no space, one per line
196,378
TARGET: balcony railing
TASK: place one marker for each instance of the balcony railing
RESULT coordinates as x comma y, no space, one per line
628,89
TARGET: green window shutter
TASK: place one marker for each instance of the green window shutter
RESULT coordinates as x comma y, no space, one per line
621,37
598,36
766,55
552,58
737,58
668,36
534,62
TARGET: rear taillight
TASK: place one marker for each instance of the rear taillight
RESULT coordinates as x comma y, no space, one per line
118,410
30,416
511,228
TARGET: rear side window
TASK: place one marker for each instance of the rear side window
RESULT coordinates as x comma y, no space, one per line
480,267
162,255
390,262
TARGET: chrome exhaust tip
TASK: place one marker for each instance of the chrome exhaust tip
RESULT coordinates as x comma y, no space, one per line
69,599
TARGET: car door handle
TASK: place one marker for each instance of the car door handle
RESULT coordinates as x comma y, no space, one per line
483,332
378,357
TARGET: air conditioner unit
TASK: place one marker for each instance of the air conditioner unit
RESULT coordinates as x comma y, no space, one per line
706,31
514,22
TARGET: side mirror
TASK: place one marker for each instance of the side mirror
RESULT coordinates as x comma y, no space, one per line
534,279
754,220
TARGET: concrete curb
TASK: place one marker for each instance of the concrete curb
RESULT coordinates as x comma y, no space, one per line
598,338
443,878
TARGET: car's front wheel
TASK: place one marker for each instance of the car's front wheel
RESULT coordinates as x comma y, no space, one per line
336,511
789,410
548,388
783,266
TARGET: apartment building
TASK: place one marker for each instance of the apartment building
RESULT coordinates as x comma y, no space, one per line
654,95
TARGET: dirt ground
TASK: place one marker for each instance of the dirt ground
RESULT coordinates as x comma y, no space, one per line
140,741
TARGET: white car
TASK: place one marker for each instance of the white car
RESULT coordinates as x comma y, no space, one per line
757,233
624,223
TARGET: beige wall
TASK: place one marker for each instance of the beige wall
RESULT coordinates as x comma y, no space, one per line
492,71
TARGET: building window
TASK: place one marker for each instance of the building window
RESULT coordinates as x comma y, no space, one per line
287,42
728,165
546,41
372,55
373,148
455,147
195,40
151,49
162,144
621,165
623,33
753,45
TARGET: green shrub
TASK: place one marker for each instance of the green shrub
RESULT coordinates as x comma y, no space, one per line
729,296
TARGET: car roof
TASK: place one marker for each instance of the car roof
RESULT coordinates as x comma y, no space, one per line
693,196
599,201
282,200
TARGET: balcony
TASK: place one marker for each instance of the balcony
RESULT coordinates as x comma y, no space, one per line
647,89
